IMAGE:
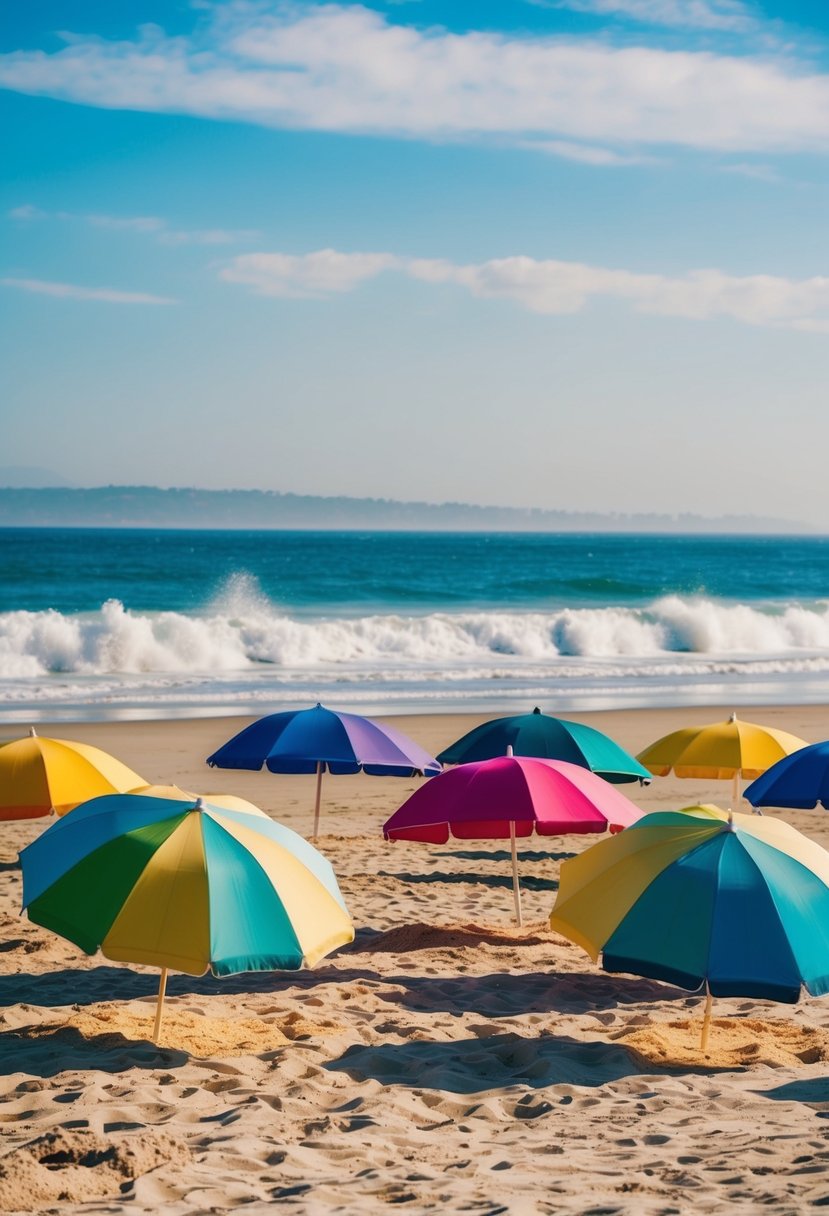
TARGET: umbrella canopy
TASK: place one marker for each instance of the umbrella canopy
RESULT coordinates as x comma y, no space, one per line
300,740
489,799
737,903
40,775
509,797
548,738
703,810
800,781
156,881
319,739
227,802
720,750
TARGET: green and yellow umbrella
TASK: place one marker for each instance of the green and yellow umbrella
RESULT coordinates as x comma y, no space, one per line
184,887
39,776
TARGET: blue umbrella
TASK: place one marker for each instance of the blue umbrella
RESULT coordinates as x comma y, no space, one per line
547,738
800,781
313,740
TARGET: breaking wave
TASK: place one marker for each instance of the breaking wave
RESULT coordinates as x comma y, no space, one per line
242,630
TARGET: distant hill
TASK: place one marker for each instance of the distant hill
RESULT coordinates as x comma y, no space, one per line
151,507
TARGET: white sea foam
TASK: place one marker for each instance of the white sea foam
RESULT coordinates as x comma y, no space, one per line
244,630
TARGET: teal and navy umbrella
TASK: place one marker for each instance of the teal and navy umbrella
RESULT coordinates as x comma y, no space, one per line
734,902
547,738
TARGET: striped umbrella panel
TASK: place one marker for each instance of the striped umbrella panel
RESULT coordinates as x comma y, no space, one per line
193,890
741,906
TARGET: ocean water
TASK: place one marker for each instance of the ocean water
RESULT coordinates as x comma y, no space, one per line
130,623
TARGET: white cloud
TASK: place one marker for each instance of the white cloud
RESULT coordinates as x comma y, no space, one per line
728,16
347,68
71,291
552,287
812,325
308,275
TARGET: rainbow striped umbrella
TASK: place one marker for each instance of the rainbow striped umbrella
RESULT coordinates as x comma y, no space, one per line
184,887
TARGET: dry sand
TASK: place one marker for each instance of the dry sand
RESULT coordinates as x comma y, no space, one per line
446,1062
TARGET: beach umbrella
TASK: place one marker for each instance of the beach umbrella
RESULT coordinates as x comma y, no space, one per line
319,739
547,738
507,798
39,776
800,781
721,750
184,887
703,810
732,902
227,802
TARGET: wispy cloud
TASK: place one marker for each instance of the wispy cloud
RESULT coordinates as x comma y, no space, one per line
149,225
207,236
72,291
26,212
552,287
349,69
759,173
119,223
310,275
729,16
589,154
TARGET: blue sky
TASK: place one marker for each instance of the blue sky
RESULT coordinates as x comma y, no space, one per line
562,253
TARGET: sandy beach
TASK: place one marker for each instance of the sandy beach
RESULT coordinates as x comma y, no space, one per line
444,1062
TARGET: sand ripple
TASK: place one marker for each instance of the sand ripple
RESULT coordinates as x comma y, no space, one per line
446,1061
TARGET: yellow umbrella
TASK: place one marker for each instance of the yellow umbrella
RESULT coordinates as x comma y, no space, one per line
703,810
38,776
721,750
228,802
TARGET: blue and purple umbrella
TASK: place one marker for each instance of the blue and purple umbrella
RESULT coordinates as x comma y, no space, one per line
319,739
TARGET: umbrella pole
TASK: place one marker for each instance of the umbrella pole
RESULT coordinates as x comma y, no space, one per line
317,802
706,1021
162,988
735,791
516,890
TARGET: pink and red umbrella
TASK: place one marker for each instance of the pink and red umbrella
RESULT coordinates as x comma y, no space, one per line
510,797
